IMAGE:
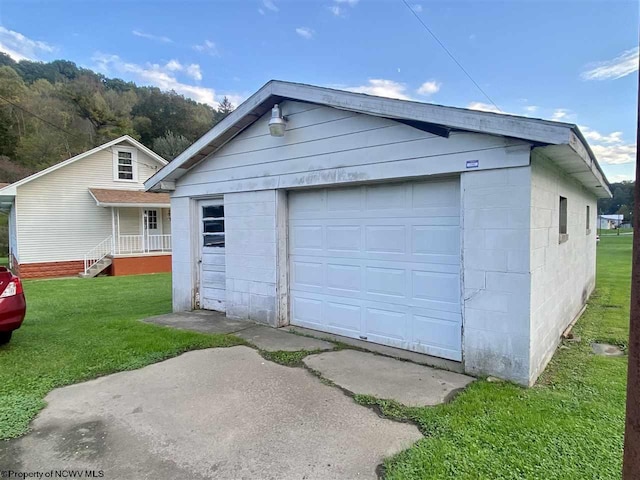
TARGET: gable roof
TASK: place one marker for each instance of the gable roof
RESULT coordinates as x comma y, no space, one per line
11,189
576,158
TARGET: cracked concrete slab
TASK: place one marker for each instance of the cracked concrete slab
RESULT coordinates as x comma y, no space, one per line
273,340
387,378
200,321
216,413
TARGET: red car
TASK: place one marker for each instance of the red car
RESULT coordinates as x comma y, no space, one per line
12,304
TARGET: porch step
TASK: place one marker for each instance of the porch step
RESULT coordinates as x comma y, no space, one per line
96,268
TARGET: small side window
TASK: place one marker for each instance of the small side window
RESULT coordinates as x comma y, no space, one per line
213,226
562,217
588,222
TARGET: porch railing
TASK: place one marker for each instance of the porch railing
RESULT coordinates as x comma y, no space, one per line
98,252
128,244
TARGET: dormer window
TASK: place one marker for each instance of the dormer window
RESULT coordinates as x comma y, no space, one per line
125,165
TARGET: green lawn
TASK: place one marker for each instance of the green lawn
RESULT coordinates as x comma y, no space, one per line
615,232
569,426
77,329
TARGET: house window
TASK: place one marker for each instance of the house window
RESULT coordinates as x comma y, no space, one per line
124,165
152,219
588,222
563,220
213,226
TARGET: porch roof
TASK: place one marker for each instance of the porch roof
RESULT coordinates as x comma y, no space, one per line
129,198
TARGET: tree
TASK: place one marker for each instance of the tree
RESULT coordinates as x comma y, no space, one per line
170,145
224,109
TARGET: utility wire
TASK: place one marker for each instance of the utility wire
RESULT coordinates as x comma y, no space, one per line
38,117
450,54
154,167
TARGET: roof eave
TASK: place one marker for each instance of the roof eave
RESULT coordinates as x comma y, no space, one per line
133,205
537,131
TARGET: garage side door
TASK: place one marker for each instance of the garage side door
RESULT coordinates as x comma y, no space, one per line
212,255
379,263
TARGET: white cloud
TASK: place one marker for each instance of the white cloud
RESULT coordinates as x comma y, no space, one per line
417,8
560,114
620,178
261,11
149,36
194,71
429,88
207,47
338,7
173,65
155,75
382,88
531,108
484,107
305,32
624,64
595,136
610,148
618,154
270,5
19,47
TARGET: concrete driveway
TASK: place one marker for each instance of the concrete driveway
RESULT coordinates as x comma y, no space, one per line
217,413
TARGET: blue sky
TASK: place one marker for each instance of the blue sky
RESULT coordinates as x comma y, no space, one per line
574,61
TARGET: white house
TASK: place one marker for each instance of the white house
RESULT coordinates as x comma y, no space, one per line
90,214
607,222
374,218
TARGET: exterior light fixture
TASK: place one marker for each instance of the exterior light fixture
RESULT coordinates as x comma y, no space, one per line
278,123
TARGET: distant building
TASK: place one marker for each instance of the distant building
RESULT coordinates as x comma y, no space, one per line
90,215
608,222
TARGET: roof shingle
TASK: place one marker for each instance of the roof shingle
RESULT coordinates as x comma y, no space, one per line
105,197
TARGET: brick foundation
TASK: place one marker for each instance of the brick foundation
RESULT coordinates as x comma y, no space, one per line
140,265
50,269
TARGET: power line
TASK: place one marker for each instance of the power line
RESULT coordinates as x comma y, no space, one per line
36,116
154,167
450,54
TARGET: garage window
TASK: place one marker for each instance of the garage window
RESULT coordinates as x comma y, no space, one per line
562,227
588,219
213,226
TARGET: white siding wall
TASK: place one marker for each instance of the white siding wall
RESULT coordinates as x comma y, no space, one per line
562,275
326,146
496,212
13,238
58,218
166,221
130,221
250,246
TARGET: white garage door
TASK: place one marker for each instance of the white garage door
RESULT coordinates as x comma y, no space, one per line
379,263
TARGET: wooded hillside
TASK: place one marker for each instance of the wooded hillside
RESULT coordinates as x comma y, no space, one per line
52,111
622,202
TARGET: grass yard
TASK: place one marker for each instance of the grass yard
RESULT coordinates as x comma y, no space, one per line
569,426
77,329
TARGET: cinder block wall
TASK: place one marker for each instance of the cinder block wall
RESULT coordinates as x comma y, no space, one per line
183,261
250,250
562,274
496,279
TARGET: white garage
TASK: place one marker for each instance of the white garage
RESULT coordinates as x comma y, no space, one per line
452,233
379,263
